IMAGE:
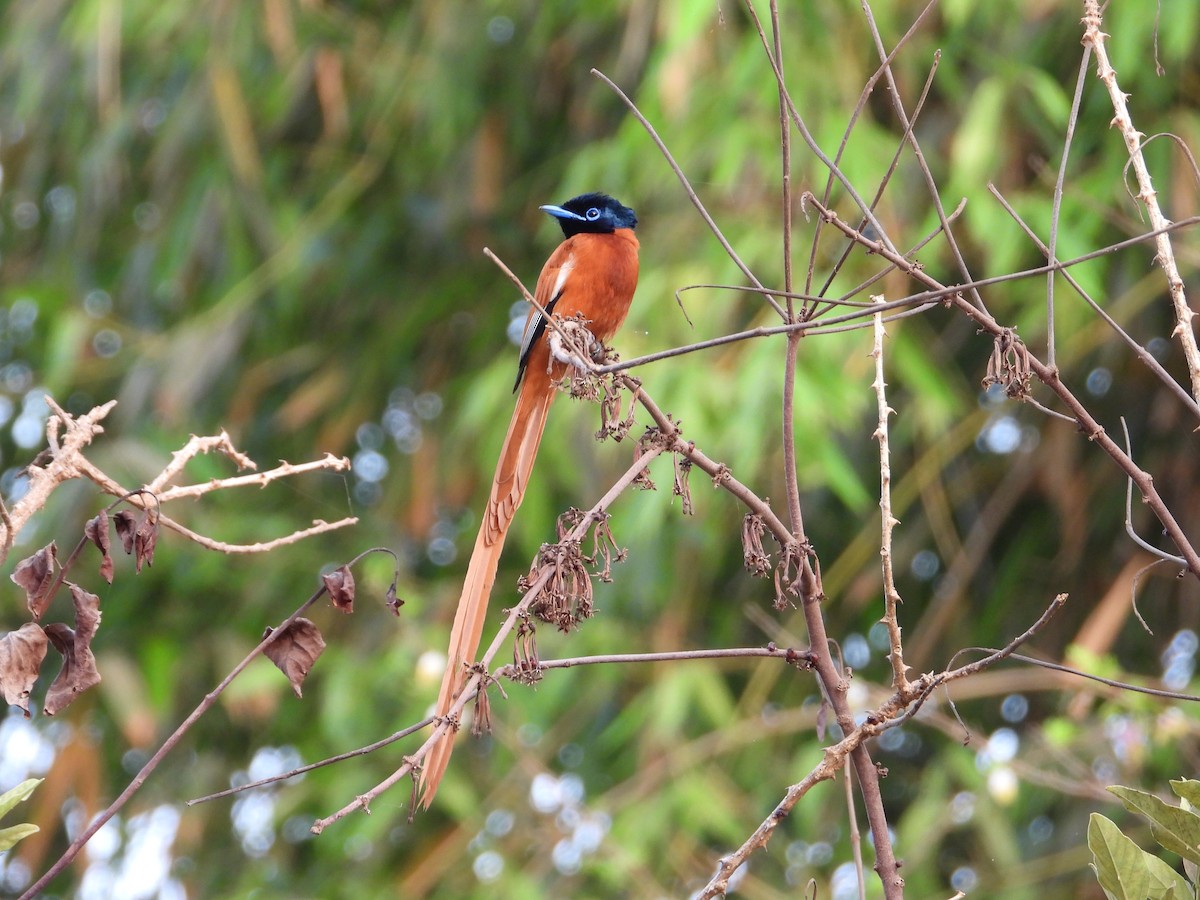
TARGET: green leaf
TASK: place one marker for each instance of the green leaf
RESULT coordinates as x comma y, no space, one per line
1164,881
976,147
1120,864
17,794
1048,95
1187,790
1178,830
10,836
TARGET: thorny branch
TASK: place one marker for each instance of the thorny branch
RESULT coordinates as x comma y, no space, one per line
891,596
897,709
1050,377
67,462
797,572
1094,38
67,437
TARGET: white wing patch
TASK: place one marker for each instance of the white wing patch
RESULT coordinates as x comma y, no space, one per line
561,281
536,325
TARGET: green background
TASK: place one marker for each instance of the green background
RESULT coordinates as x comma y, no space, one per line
269,217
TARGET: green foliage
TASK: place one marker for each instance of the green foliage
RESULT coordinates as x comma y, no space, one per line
14,834
1124,869
268,218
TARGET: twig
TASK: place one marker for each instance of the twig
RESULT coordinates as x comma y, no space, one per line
1056,205
921,300
193,448
810,141
831,763
1094,37
791,479
167,746
771,651
1050,377
259,479
1099,679
445,729
891,596
891,170
341,757
551,322
855,835
1141,352
689,190
1162,555
930,182
65,458
86,469
794,657
927,684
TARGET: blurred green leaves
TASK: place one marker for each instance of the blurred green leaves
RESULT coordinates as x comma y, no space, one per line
270,218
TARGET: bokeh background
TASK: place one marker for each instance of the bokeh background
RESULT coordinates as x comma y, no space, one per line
268,217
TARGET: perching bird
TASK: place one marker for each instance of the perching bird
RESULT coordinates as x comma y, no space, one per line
593,272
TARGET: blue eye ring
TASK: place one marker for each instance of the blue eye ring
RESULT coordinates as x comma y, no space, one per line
592,214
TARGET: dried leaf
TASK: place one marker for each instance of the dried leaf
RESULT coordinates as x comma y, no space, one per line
754,554
36,574
295,651
340,584
78,672
96,531
393,601
126,524
566,600
21,655
681,488
481,724
527,668
144,541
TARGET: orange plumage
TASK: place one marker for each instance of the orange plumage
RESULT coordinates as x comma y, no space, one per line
593,272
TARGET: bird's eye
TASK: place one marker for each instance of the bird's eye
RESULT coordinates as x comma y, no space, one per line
592,214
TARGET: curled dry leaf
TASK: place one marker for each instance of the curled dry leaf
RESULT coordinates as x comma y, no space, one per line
96,531
21,655
394,602
340,584
126,524
78,672
144,541
138,538
36,575
295,651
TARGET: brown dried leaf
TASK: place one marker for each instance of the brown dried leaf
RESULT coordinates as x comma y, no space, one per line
78,672
566,600
681,488
340,584
295,651
481,724
36,574
394,602
96,531
21,655
126,524
144,541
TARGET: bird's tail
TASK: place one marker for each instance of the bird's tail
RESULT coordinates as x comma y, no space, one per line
508,489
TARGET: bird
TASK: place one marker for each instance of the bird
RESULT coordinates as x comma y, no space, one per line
592,273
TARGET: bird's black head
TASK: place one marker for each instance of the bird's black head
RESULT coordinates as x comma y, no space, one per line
592,214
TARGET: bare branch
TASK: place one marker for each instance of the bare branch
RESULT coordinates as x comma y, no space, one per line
891,596
1094,37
